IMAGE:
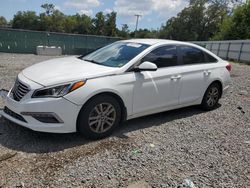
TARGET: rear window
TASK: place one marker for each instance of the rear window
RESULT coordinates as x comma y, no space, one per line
210,59
191,55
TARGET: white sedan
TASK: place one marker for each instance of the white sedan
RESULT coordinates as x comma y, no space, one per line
93,94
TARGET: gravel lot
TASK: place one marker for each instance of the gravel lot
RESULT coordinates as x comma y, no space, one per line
180,148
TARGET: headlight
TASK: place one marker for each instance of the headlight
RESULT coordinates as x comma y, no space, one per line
57,91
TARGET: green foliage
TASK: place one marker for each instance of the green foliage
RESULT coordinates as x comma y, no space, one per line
110,24
224,30
25,20
124,32
3,21
144,33
197,22
69,24
236,25
83,24
49,8
99,23
55,21
201,20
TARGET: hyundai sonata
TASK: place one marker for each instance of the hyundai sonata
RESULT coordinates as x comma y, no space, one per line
94,93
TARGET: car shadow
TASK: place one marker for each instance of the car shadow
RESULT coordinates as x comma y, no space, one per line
15,137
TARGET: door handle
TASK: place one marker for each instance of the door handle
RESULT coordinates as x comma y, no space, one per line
176,77
207,72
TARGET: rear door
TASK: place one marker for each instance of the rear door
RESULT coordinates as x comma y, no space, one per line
196,69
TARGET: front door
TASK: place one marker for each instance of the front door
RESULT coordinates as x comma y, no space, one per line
156,90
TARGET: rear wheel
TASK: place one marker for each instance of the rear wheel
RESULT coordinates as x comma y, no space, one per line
99,117
211,97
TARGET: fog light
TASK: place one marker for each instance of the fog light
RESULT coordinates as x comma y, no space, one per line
44,117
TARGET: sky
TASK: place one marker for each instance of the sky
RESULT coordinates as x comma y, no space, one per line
153,13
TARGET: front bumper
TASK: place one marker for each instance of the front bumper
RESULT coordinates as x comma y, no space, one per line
63,108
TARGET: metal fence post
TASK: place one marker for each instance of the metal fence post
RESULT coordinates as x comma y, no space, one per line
218,51
228,48
48,35
241,46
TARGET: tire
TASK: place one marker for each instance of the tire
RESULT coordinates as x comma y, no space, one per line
211,97
99,117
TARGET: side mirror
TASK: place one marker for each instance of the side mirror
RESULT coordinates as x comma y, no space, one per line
146,66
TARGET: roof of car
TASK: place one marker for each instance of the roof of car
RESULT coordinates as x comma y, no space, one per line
165,41
150,41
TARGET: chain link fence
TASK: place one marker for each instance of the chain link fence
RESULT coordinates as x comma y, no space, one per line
25,41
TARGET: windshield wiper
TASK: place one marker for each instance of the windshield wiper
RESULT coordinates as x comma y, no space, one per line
92,61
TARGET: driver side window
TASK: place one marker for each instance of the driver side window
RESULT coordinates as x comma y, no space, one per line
165,56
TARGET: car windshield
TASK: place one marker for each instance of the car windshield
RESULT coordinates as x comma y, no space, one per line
116,54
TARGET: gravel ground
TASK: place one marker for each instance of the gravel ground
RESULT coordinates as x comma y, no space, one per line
180,148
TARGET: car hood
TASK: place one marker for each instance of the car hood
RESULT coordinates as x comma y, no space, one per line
61,70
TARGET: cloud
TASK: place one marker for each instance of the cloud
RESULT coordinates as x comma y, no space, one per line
108,11
158,8
86,12
131,7
58,8
169,8
19,1
82,4
152,11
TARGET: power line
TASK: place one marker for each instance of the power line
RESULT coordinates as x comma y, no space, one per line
137,20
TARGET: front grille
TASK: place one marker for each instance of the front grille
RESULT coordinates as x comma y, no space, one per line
13,114
19,90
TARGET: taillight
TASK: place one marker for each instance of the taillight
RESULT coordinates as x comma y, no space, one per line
229,67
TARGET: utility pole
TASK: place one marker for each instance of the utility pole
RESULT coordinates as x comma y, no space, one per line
137,20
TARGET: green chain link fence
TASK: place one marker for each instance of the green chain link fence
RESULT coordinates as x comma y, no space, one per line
24,41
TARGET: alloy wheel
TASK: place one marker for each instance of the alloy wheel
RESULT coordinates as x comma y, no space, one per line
212,96
102,117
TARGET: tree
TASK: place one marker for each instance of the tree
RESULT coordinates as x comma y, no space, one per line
125,28
110,24
3,21
99,23
70,23
49,8
57,22
51,19
144,33
83,24
124,32
236,25
199,21
25,20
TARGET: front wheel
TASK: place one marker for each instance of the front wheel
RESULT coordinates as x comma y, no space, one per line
99,117
211,97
